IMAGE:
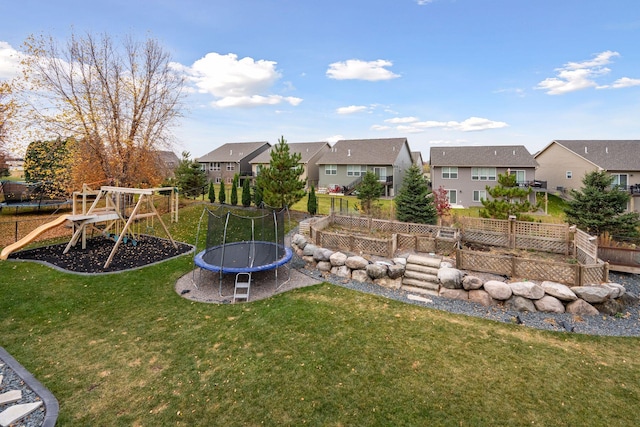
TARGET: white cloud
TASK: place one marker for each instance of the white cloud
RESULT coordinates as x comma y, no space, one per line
333,139
380,127
401,120
472,124
355,69
236,82
423,2
9,61
351,109
575,76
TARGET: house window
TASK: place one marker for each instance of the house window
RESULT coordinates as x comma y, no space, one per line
330,169
479,195
218,180
569,174
483,174
450,172
231,167
620,179
380,173
452,195
356,170
215,166
521,178
229,180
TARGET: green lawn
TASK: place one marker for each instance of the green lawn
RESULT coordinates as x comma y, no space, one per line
127,350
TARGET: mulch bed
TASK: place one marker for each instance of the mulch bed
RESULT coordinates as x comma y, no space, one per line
147,250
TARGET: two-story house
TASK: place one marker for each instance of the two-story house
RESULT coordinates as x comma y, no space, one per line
229,159
310,153
563,164
344,165
465,172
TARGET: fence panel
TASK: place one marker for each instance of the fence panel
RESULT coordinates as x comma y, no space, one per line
536,269
484,262
594,274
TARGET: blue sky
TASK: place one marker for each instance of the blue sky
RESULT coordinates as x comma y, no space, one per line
439,72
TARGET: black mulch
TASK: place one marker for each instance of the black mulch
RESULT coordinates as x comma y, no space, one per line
147,250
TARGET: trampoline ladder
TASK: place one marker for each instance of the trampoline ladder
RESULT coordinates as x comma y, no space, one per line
241,290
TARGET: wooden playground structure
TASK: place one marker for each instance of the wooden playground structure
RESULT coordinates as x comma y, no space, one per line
116,212
120,209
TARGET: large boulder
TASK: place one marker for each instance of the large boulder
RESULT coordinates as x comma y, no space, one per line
481,296
581,308
558,290
322,254
450,278
527,290
471,283
454,293
592,294
519,303
356,262
309,249
395,271
323,266
341,271
299,240
549,304
617,290
400,261
498,290
359,275
338,259
376,271
388,282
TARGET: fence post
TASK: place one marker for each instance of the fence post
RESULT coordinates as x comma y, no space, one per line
512,231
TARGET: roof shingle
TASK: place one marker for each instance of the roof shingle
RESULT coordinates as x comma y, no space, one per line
488,156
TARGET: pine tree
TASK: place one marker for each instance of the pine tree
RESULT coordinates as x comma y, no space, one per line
246,193
257,195
312,202
601,206
369,191
222,196
280,183
234,190
190,178
507,199
212,193
413,202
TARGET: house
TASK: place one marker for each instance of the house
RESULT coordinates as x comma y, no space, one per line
465,172
168,161
310,153
229,159
344,165
563,164
416,156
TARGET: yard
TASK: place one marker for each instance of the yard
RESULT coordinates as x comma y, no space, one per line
125,349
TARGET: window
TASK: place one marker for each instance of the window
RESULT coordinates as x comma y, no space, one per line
620,180
356,170
479,195
569,175
483,174
215,166
449,172
521,178
380,173
218,180
452,195
231,167
330,169
229,180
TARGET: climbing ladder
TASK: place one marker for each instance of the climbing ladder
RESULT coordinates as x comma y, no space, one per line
243,284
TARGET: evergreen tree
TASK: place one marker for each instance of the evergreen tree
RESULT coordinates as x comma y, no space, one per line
312,202
369,191
234,190
190,178
222,196
257,195
507,199
601,207
414,203
280,183
246,193
212,193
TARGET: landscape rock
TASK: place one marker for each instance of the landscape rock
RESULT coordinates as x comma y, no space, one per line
498,290
388,282
400,261
471,283
395,271
359,276
376,271
481,296
323,266
617,290
549,304
592,294
519,303
528,290
299,240
341,271
450,278
356,262
581,308
309,249
338,259
610,307
454,293
558,290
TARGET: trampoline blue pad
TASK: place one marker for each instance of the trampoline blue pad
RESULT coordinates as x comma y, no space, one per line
243,257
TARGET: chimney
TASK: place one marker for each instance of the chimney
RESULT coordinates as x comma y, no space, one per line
349,152
231,152
606,150
495,152
586,151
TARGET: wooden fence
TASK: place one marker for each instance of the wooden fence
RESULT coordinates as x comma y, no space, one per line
626,260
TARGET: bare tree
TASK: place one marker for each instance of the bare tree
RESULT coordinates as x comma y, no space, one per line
118,101
7,110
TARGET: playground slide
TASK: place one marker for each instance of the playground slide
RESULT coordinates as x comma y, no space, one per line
31,236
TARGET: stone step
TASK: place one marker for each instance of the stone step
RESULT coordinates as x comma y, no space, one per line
15,412
10,396
418,284
418,290
422,269
423,260
423,277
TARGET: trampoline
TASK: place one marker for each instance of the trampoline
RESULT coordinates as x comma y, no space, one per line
242,243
